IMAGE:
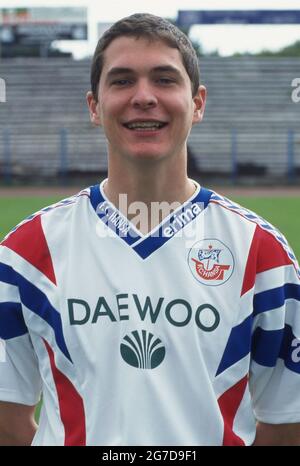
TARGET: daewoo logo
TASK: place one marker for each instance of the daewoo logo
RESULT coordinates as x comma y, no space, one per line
142,350
123,306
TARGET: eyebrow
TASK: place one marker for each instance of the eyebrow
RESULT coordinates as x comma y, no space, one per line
160,69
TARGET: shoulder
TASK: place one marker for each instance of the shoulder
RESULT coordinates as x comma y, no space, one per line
33,223
233,208
264,228
28,243
269,247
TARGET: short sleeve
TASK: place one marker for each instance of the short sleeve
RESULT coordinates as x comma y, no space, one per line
275,368
20,381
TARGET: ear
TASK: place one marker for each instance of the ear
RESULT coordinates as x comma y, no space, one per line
199,104
94,109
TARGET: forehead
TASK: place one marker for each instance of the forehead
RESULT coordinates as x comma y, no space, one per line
132,52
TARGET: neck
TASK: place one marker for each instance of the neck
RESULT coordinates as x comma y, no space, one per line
146,186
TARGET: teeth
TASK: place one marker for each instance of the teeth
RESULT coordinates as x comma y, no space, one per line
144,124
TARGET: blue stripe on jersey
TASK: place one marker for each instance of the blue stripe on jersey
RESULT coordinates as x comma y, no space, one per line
11,321
238,345
35,300
274,298
266,346
145,248
203,196
269,345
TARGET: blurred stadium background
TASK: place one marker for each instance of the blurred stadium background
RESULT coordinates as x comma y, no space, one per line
250,135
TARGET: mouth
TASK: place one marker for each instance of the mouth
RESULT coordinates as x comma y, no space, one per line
145,125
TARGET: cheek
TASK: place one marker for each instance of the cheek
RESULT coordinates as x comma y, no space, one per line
183,108
109,114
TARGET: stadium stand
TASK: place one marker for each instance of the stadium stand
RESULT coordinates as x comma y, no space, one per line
45,128
252,97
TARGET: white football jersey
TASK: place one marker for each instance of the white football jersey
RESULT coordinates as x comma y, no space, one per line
183,336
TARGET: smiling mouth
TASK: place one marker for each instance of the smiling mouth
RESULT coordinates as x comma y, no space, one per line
145,125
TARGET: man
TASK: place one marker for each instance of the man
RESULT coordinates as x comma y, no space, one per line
174,329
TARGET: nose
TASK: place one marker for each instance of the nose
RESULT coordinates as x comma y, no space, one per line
143,96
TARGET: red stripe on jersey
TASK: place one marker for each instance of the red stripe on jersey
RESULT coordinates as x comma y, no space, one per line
265,253
30,243
229,403
70,406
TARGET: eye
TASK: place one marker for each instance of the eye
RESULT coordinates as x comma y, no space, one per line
121,82
166,81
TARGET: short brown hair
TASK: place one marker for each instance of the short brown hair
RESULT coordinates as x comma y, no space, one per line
153,28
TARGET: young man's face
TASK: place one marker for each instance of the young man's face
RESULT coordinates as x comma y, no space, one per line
145,102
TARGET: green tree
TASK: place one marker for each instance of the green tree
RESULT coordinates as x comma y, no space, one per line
292,50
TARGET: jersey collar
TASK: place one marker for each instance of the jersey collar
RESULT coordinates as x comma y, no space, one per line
145,245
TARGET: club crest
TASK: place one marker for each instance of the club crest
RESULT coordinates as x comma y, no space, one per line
211,262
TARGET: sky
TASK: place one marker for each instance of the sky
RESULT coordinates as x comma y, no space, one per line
227,39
